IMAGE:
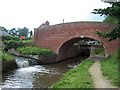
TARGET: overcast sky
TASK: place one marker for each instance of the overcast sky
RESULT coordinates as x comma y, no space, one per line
32,13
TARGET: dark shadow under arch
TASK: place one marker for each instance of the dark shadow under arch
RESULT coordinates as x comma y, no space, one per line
68,49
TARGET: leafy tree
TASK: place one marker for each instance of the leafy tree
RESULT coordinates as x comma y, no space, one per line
113,11
111,20
31,33
13,31
19,32
23,32
3,29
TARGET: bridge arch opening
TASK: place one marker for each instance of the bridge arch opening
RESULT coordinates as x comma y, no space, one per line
80,46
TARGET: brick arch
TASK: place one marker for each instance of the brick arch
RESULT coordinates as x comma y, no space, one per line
53,37
66,50
85,36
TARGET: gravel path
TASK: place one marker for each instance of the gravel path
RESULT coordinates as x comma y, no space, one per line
98,79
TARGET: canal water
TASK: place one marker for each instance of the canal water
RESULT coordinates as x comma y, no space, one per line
31,75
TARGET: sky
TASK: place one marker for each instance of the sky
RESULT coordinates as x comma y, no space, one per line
32,13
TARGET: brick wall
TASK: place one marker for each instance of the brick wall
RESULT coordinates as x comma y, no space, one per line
53,37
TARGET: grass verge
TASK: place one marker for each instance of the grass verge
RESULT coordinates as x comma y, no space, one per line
5,56
78,77
109,68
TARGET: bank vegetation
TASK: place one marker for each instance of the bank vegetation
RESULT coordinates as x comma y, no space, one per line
79,77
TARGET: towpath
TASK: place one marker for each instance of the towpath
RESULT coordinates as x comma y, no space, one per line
98,79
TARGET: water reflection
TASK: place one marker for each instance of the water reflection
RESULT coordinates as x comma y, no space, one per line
38,76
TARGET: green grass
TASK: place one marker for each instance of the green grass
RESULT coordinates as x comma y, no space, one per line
78,77
27,41
35,51
110,68
99,51
5,56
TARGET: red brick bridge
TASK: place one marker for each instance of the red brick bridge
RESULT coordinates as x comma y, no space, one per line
60,38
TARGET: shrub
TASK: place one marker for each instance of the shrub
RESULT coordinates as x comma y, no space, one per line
29,38
99,50
35,51
5,56
7,38
14,44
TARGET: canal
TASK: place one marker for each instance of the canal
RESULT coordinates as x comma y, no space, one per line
36,76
